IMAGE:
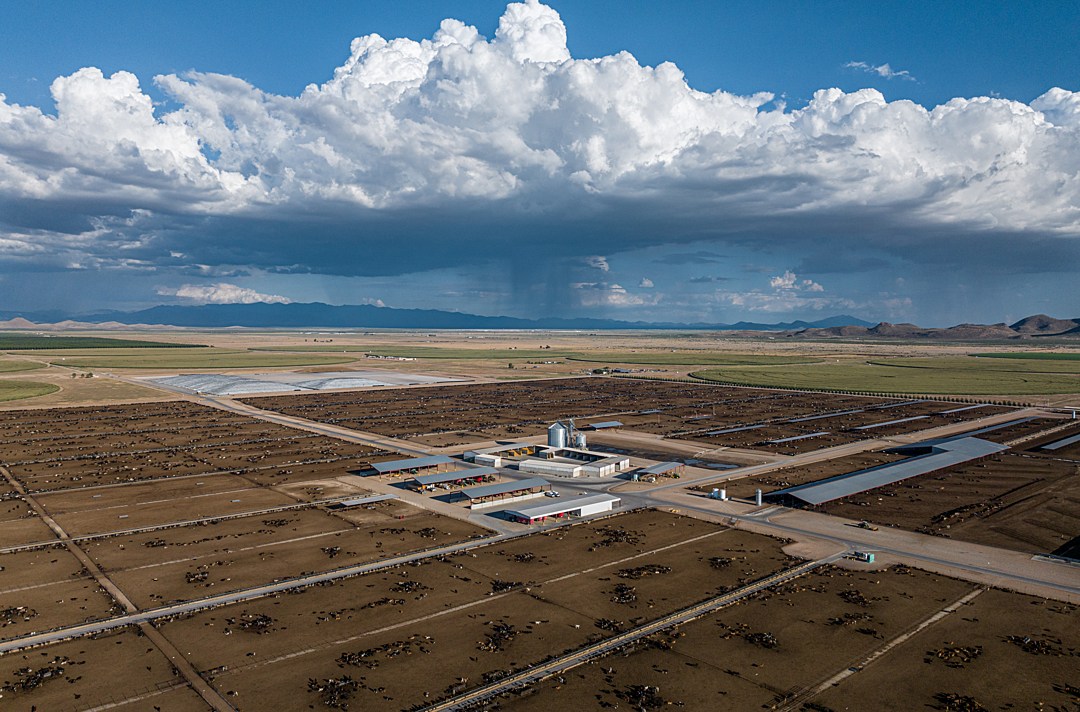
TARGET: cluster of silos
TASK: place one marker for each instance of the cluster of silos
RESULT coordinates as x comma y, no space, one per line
562,435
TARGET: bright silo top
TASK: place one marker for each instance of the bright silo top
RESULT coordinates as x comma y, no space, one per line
557,435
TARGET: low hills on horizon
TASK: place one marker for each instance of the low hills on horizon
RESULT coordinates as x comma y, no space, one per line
1031,327
318,315
360,316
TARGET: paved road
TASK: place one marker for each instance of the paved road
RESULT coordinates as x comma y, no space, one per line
855,448
982,564
371,439
973,562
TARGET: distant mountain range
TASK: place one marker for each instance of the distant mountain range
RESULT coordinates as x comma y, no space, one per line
317,315
325,316
1032,327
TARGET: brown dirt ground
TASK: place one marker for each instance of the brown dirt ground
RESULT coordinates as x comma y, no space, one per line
119,516
791,476
174,699
25,530
25,569
1022,501
245,552
1031,427
717,663
991,678
79,447
445,416
570,581
59,604
486,411
108,668
842,429
1071,452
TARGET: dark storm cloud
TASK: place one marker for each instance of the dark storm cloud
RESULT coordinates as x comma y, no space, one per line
415,157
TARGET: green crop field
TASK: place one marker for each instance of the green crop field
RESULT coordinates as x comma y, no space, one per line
967,363
691,358
423,351
13,366
1033,355
186,358
881,378
17,390
22,342
646,358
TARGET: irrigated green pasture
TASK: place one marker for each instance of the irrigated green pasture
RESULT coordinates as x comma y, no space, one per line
17,390
13,366
421,351
190,358
1033,355
959,375
17,342
691,358
967,363
643,358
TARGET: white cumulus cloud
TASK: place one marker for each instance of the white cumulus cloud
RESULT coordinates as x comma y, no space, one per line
882,70
789,281
423,136
598,262
222,293
789,293
610,294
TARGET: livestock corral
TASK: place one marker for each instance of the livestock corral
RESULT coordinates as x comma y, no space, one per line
200,557
1026,499
66,448
802,646
775,421
175,501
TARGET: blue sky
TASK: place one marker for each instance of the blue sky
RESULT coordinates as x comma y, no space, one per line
512,174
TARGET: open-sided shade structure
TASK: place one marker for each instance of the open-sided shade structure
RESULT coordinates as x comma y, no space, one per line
439,478
505,489
393,467
926,457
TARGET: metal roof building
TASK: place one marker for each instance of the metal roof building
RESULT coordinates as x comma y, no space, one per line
487,495
605,425
999,426
891,422
438,478
507,450
572,507
739,429
394,467
663,468
1064,442
927,457
822,416
966,407
550,467
793,438
346,503
901,404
